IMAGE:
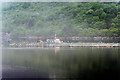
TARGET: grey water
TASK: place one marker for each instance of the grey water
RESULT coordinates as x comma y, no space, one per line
82,62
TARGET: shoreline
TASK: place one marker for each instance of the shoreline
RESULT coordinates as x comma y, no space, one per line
65,45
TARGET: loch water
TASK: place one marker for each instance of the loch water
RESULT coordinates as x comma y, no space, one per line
61,62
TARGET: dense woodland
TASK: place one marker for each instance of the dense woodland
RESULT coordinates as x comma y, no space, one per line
66,19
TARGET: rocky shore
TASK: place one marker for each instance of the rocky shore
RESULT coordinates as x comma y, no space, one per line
65,45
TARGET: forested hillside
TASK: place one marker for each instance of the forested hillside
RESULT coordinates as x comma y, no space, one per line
63,18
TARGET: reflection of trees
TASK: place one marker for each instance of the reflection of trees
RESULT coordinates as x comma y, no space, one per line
79,62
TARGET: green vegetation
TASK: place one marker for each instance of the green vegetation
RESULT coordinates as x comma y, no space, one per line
65,19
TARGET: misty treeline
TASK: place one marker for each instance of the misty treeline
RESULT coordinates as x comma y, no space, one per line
66,19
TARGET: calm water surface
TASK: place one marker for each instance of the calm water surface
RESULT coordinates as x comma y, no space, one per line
83,63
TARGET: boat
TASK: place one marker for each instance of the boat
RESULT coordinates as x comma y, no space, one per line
55,40
51,41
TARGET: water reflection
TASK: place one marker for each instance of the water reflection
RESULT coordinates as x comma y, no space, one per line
84,63
56,49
